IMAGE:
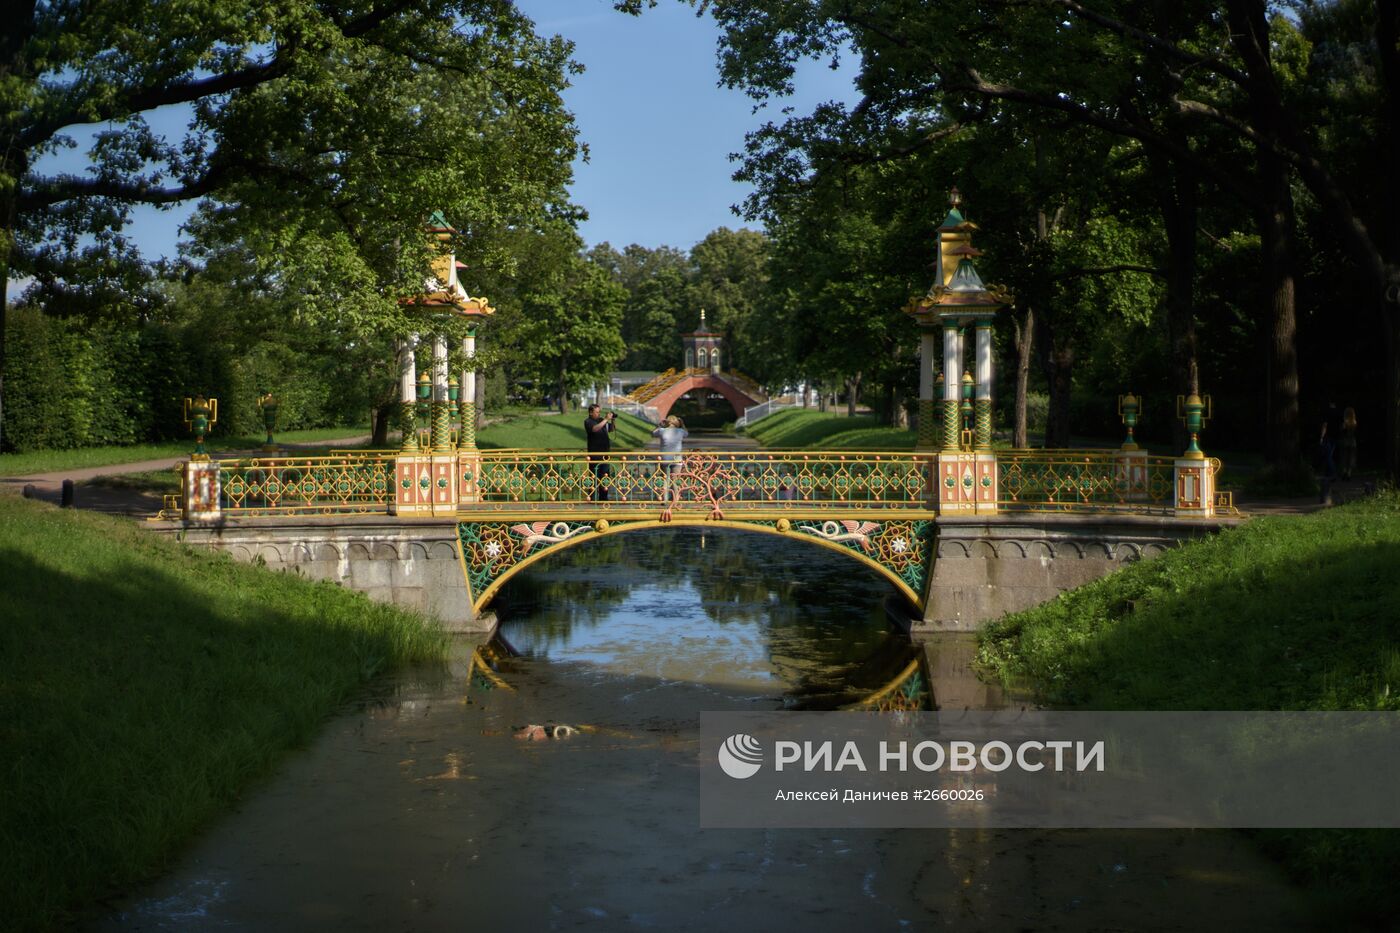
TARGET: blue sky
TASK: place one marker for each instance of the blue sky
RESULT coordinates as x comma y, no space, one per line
658,127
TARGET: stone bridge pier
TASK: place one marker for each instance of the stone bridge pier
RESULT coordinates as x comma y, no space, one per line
416,565
978,567
987,566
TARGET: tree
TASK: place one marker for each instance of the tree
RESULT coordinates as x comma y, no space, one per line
325,131
729,279
657,282
562,319
1166,76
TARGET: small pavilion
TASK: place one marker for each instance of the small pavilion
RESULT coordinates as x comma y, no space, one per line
959,306
442,299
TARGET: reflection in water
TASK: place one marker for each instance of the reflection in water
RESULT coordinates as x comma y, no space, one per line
418,809
704,607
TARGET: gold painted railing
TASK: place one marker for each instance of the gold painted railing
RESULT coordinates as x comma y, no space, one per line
855,482
1085,480
356,483
727,479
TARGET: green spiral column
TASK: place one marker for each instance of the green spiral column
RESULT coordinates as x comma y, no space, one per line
467,438
408,423
982,429
441,433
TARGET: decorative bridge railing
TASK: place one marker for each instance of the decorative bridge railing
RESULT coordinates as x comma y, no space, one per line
709,483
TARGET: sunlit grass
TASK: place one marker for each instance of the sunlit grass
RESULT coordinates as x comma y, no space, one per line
143,685
804,429
1284,613
559,432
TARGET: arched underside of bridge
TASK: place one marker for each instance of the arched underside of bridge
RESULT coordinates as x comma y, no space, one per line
736,399
900,550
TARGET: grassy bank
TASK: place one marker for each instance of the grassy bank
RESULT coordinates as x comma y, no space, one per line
1290,612
804,429
558,432
81,458
143,685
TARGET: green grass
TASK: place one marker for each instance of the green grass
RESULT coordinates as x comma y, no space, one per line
143,686
80,458
1284,613
559,432
804,429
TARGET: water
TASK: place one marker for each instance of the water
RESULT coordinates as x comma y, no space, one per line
420,809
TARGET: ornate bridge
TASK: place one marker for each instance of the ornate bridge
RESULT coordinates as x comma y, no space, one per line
964,530
506,509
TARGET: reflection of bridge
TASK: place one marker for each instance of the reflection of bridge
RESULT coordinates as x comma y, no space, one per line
963,536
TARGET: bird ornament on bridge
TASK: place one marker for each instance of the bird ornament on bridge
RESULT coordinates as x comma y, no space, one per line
546,533
858,532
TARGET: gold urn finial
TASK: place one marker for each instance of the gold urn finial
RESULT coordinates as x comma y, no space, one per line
954,197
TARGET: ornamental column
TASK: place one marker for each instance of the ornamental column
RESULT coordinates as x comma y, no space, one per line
441,428
467,438
952,363
408,389
928,354
982,406
964,308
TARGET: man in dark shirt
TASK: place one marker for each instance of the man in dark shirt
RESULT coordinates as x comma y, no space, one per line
598,430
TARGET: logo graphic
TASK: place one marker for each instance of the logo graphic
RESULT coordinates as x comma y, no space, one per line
741,756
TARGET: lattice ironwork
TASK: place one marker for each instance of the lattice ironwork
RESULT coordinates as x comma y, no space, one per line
1098,481
716,482
306,485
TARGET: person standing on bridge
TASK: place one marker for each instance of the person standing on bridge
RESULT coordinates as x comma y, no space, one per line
598,431
672,432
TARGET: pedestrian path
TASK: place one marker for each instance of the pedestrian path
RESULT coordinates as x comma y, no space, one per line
49,486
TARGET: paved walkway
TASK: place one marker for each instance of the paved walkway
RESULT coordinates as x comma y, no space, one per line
49,486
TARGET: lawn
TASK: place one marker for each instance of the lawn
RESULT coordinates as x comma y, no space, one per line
80,458
558,432
1283,613
805,429
144,685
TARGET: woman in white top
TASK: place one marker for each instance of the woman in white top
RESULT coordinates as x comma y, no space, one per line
672,432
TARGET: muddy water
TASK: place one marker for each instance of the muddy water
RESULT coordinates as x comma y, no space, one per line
418,810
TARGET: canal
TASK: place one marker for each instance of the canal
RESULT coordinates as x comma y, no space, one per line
431,803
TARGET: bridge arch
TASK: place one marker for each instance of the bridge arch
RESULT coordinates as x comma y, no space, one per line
712,381
495,551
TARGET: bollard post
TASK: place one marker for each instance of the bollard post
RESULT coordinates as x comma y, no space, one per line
66,497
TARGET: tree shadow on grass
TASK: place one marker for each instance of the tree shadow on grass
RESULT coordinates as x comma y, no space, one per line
138,701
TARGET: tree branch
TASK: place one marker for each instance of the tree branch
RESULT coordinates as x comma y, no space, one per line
141,99
1170,49
50,191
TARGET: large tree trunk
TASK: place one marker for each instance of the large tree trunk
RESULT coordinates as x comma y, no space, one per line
382,417
1057,361
852,394
1024,341
1276,237
1177,198
1276,228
